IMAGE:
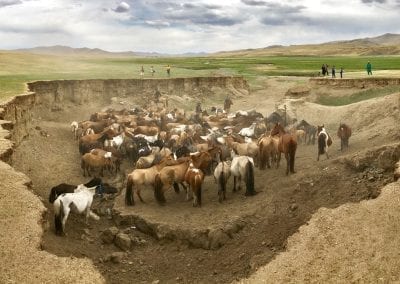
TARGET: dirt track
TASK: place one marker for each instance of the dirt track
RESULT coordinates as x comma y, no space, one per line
281,207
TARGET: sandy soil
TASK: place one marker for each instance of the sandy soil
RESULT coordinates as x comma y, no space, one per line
283,205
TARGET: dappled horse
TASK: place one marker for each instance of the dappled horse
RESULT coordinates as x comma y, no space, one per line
142,177
78,202
222,174
288,145
324,142
243,167
344,133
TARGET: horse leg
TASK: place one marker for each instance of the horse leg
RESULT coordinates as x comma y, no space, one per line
139,195
87,215
188,193
64,220
287,157
278,161
326,152
194,196
234,184
240,182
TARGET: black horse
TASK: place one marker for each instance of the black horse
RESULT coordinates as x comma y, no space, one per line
311,131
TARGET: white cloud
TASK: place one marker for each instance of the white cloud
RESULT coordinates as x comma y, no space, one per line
177,26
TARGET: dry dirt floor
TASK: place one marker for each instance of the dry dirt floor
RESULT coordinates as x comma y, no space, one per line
283,204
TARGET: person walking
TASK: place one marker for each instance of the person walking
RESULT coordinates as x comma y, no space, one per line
341,72
333,72
369,68
142,71
227,104
168,70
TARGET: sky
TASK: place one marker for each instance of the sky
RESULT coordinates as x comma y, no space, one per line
181,26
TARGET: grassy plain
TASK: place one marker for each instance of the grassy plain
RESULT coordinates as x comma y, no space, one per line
18,68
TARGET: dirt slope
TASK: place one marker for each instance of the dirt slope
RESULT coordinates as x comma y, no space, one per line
352,243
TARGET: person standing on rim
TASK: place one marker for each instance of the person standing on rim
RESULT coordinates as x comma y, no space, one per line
341,72
369,68
168,70
333,72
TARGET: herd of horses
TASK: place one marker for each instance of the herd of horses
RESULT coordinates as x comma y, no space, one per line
174,149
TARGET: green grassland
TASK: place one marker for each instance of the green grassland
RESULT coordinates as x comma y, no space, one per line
18,68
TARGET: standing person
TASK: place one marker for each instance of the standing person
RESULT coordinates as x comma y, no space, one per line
168,70
323,69
333,71
142,71
369,68
341,72
152,71
227,104
327,69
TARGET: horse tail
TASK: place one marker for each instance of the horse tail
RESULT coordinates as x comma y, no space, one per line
197,186
292,153
176,187
129,198
53,195
58,216
321,144
249,178
158,192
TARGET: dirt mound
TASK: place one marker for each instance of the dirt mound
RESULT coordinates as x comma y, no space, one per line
353,243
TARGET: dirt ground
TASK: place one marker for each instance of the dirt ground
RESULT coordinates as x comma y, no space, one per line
281,207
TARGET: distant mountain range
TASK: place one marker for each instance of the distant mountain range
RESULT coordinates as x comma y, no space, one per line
387,44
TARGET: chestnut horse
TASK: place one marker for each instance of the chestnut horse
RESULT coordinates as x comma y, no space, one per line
194,178
287,145
268,151
142,177
344,133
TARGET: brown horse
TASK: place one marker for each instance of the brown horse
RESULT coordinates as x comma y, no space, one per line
268,151
287,145
90,161
168,176
246,149
142,177
344,133
194,178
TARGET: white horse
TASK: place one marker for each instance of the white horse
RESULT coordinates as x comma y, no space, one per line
78,202
243,167
222,174
248,131
74,127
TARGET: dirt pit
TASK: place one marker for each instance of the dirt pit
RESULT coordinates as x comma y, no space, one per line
254,229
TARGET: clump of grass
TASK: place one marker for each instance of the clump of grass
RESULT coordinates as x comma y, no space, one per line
357,97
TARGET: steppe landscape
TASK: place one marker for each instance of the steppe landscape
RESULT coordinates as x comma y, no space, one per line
336,220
